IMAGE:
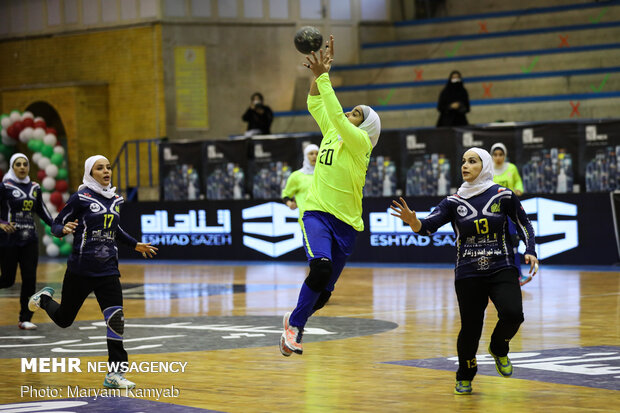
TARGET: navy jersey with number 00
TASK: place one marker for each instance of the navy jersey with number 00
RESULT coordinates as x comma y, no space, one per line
94,244
483,243
18,202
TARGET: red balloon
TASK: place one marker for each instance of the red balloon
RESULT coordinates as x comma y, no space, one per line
39,124
41,175
62,185
12,132
51,130
18,126
28,122
56,198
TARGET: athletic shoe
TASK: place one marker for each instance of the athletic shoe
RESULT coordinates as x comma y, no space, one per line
502,364
27,325
286,352
117,381
35,301
463,387
292,336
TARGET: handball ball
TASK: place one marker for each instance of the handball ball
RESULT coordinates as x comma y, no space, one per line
308,39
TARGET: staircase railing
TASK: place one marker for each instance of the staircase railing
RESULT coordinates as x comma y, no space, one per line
128,177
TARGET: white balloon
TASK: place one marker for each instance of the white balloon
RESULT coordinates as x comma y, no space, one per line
50,139
59,149
54,212
6,122
7,140
38,118
65,196
68,238
51,170
47,240
45,196
15,116
36,157
52,250
48,183
38,133
43,162
27,114
26,134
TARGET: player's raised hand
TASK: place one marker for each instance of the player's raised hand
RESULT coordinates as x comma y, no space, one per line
401,210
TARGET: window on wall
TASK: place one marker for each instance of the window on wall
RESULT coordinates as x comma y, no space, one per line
201,8
148,8
253,9
340,9
108,11
174,8
90,11
278,9
310,9
227,8
129,9
374,10
71,11
53,12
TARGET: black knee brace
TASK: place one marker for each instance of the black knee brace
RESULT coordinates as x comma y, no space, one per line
323,299
320,274
115,321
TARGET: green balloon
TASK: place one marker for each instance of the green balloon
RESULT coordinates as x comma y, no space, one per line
57,159
65,249
47,150
58,241
35,145
4,115
48,230
62,173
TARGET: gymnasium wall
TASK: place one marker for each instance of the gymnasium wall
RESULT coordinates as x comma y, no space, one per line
71,71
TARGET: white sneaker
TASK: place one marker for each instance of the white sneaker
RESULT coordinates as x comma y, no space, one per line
27,325
35,301
118,381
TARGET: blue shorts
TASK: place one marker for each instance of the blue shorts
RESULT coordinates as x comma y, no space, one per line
325,236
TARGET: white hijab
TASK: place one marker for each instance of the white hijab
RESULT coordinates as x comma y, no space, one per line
307,167
483,181
501,169
371,124
91,183
11,173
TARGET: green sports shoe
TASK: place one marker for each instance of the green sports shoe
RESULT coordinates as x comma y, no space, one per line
34,303
502,364
463,387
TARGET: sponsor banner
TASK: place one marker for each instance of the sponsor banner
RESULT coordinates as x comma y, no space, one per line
226,169
180,168
382,177
570,229
599,151
430,166
272,163
548,156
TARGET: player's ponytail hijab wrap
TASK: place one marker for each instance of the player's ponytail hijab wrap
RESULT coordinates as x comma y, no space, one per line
307,167
89,182
371,124
11,173
484,181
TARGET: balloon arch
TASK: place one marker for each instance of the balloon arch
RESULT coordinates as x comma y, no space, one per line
50,157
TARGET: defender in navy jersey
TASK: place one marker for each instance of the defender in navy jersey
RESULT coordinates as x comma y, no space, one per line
93,215
20,198
485,266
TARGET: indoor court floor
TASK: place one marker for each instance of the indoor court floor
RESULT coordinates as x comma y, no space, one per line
386,342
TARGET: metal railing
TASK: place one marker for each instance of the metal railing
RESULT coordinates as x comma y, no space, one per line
128,178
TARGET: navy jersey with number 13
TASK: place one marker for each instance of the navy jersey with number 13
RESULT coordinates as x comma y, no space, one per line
480,223
94,244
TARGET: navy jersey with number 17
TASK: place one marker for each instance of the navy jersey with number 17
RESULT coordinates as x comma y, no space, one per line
483,244
94,244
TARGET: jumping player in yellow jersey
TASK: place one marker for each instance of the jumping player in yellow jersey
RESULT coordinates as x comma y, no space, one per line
333,207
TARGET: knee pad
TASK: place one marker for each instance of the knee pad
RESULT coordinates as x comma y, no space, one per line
323,299
115,322
320,274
